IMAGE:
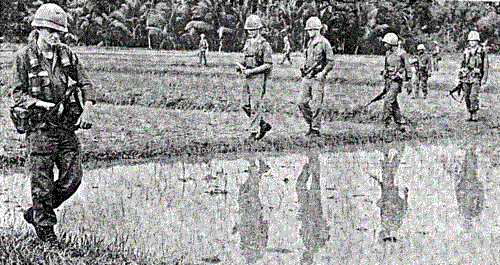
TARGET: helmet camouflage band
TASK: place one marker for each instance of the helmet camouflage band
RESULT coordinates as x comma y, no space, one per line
313,23
253,22
390,38
473,35
51,16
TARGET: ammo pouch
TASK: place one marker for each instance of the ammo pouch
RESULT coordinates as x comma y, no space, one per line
21,118
67,119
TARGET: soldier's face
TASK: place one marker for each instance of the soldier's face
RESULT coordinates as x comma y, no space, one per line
387,45
312,32
49,36
473,42
252,33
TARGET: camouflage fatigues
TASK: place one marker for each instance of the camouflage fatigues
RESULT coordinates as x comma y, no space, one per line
257,52
424,63
474,66
313,89
37,78
203,50
395,73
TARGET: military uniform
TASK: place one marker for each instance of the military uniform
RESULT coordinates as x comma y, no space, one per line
423,62
318,54
436,57
394,73
474,65
203,50
257,52
38,78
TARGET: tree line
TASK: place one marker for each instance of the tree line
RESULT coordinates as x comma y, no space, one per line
352,26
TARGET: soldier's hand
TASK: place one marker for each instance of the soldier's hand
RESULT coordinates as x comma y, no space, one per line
84,120
321,76
246,72
484,82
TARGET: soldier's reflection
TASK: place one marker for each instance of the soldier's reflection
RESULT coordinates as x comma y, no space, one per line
314,231
469,190
392,207
253,228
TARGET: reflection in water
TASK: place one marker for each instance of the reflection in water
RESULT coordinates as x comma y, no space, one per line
254,230
469,190
314,231
392,207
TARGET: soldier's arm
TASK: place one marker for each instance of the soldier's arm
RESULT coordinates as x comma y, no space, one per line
268,62
79,75
20,86
329,60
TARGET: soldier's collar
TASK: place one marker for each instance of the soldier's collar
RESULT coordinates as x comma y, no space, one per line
316,39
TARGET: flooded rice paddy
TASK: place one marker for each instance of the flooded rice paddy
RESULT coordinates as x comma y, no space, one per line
397,203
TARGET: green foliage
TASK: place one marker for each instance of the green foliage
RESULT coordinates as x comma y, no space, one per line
351,26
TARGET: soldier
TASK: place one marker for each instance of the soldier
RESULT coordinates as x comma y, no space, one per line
41,73
436,57
473,73
256,68
287,50
318,62
203,49
414,78
394,74
423,73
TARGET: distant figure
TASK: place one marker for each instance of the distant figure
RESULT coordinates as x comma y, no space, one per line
469,189
287,50
423,71
314,231
256,68
412,88
395,72
473,73
253,229
436,57
203,49
392,207
318,63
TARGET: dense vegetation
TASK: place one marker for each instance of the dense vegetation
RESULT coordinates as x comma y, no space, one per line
352,26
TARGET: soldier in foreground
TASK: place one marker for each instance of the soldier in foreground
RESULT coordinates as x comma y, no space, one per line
287,50
318,62
256,67
203,49
394,74
423,73
473,73
41,73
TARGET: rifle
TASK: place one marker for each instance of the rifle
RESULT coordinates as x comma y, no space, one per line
304,73
457,89
51,113
377,98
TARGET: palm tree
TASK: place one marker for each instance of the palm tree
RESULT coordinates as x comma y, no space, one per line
130,20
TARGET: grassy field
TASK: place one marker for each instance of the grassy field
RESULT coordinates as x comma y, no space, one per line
162,103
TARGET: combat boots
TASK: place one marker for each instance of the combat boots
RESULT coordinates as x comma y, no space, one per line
47,235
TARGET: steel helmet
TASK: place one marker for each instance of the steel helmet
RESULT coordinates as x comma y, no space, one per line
390,38
421,47
313,23
473,35
202,35
51,16
253,22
